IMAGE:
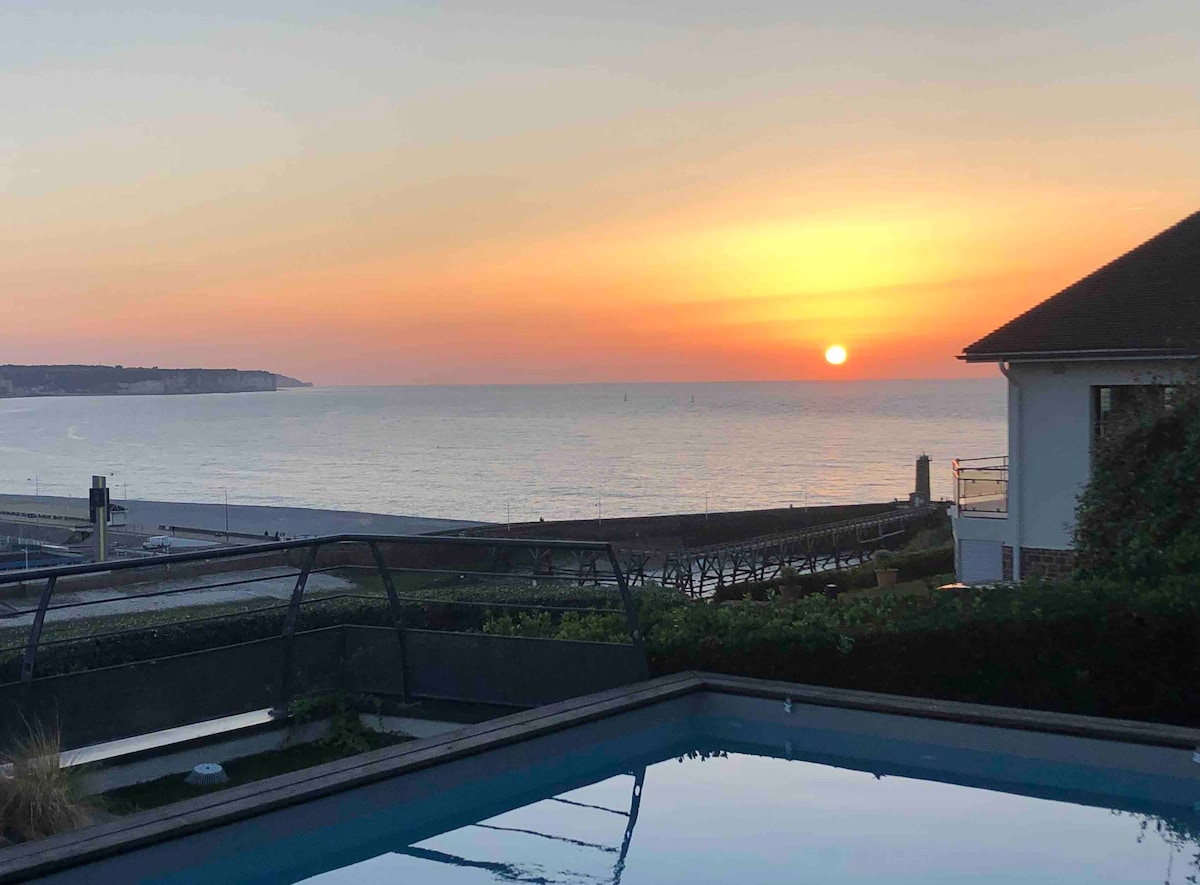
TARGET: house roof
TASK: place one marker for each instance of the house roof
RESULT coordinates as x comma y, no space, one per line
1145,303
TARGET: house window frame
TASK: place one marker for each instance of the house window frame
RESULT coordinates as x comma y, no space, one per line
1104,402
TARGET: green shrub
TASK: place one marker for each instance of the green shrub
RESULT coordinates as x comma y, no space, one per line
347,733
1096,647
577,626
936,536
520,624
1139,517
1088,647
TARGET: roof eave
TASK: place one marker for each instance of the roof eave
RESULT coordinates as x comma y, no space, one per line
1042,356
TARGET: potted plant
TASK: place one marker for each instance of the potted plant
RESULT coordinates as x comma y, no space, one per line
885,569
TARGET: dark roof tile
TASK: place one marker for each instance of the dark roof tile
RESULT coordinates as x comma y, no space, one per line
1147,300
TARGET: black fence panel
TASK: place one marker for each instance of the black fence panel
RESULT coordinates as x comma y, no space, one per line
514,671
94,706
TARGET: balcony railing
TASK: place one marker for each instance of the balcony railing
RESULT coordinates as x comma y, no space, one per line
981,486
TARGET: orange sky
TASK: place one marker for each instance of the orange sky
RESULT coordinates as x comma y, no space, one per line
394,197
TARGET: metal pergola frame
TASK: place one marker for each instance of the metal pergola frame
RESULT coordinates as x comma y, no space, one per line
541,551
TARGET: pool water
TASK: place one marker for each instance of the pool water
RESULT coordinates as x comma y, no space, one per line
738,818
726,789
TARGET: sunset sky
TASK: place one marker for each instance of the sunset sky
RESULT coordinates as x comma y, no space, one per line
368,192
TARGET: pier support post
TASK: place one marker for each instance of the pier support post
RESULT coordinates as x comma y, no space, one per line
283,690
635,632
397,615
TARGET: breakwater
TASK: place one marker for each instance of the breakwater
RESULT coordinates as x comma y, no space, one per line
684,530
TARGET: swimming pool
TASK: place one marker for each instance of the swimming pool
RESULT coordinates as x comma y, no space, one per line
716,785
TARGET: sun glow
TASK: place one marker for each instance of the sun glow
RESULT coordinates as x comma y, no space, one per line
835,355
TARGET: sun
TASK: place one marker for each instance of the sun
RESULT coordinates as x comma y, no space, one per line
835,355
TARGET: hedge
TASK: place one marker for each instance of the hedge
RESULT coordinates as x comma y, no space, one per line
1094,647
447,609
1081,647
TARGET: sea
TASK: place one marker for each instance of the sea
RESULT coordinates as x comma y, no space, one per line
509,453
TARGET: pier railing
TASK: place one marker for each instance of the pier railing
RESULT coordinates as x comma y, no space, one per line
214,632
981,486
700,571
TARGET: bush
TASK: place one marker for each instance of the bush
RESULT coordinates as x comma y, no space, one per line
1139,517
347,733
937,536
38,797
1095,647
580,627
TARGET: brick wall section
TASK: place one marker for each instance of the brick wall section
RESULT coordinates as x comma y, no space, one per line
1046,563
1006,563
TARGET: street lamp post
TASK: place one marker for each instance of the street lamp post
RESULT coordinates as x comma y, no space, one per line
226,491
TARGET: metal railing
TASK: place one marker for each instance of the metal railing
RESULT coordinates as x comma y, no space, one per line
429,564
699,571
981,486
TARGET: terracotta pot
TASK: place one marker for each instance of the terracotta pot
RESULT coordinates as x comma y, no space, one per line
886,577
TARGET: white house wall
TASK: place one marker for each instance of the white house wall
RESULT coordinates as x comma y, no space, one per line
1055,439
1050,453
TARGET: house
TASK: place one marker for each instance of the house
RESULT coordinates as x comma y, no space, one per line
1126,333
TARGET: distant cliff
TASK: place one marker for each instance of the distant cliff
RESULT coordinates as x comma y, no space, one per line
122,381
286,381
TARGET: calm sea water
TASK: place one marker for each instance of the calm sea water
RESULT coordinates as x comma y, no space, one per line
493,453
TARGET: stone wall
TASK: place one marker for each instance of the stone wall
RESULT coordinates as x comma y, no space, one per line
1046,563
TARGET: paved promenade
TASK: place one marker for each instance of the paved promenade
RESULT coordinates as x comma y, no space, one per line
147,517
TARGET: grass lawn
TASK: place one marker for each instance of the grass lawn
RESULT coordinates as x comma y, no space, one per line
173,788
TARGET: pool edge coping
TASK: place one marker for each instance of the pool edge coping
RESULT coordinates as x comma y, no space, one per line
79,847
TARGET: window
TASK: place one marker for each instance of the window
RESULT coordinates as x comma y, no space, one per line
1124,404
